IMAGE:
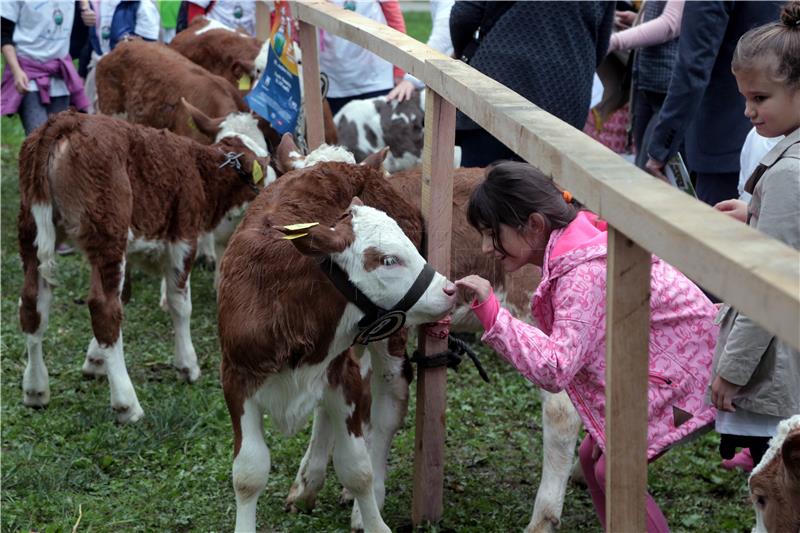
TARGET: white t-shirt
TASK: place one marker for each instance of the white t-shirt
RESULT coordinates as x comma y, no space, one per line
232,13
351,69
754,149
42,33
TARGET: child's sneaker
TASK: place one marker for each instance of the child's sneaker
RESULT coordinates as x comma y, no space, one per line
742,460
65,249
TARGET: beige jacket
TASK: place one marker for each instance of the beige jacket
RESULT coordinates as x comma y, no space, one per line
767,368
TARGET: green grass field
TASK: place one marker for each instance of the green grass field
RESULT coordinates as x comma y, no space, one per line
171,471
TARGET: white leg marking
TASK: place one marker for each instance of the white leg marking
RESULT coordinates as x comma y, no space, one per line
352,464
123,396
310,476
250,467
179,303
45,241
35,380
561,425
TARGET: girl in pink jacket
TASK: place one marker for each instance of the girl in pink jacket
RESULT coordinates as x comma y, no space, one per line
525,219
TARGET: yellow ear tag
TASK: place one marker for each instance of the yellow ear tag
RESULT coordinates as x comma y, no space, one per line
301,226
258,172
191,123
295,236
245,82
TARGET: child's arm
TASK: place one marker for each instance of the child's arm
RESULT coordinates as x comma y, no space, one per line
394,19
548,361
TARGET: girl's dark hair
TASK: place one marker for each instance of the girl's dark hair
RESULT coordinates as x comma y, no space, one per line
510,193
780,40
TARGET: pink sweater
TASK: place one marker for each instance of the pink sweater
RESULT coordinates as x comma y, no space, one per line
661,29
568,352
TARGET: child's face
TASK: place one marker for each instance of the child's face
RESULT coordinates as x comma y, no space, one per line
522,249
773,107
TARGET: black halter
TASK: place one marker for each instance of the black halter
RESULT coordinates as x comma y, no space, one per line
377,323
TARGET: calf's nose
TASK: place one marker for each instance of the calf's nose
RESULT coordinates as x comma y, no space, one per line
450,288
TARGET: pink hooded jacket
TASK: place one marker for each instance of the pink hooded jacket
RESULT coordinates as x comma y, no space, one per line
568,353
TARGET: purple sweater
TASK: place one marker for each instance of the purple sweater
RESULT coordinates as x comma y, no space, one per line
41,72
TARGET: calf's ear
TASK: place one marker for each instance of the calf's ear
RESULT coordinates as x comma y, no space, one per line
790,453
205,124
318,240
284,162
375,160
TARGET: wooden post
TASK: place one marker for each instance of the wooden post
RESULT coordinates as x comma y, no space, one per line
627,355
262,21
312,94
437,206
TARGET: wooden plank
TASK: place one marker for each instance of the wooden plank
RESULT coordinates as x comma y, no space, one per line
437,201
312,95
627,336
262,20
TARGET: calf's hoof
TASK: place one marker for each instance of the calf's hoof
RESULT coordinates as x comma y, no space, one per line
545,524
36,398
128,414
189,374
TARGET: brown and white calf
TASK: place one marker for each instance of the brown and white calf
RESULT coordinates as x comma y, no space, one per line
237,57
119,191
287,333
560,421
775,482
365,126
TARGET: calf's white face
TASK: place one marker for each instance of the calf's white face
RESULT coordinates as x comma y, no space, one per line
383,263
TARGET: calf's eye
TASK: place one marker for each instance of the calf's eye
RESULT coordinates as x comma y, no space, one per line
390,260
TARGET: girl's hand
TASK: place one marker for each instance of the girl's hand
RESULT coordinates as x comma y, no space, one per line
87,15
722,393
734,208
21,81
474,287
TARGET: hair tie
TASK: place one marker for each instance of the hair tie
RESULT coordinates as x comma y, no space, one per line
567,196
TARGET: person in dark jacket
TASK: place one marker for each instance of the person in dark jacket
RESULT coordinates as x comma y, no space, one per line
545,51
703,106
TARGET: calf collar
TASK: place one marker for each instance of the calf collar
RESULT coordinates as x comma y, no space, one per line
377,323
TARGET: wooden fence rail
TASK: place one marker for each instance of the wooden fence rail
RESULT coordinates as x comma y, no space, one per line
756,274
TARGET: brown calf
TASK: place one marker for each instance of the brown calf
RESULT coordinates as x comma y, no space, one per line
286,331
119,190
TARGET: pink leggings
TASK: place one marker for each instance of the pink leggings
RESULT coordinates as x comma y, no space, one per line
594,470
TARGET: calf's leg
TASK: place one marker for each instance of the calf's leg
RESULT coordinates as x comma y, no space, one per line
251,459
105,308
351,459
179,302
561,426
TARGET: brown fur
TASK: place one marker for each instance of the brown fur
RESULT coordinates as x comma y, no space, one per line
345,372
778,484
147,80
104,176
276,308
232,55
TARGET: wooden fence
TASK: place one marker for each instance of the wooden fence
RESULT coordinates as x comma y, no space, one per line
756,274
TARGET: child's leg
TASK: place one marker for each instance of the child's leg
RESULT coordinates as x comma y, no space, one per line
595,472
758,447
597,489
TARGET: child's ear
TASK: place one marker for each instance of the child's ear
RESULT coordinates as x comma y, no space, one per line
537,223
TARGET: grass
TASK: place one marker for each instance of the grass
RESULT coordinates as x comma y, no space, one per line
171,471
